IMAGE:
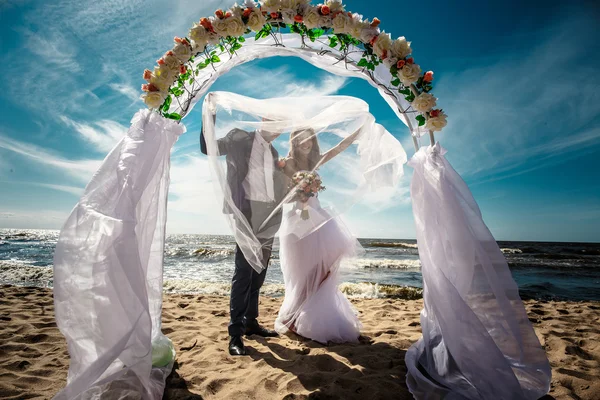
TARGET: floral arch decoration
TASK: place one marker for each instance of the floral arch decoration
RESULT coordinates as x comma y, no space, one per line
326,35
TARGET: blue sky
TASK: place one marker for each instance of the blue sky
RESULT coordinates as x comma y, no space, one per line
519,82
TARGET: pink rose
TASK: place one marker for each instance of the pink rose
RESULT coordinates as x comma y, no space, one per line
410,60
147,74
182,69
219,14
400,64
298,18
145,87
434,113
375,22
160,61
428,77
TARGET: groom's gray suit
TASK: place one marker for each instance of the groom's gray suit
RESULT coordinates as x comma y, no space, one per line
237,146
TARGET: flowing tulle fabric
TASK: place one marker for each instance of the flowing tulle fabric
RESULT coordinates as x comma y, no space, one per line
108,269
313,306
375,161
477,340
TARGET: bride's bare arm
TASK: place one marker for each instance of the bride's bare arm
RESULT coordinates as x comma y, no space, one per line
290,167
341,146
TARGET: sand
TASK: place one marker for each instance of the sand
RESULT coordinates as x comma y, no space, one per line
34,359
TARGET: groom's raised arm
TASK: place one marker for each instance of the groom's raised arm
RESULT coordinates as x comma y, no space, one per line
223,144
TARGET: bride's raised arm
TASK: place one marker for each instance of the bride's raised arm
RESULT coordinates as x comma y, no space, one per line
337,149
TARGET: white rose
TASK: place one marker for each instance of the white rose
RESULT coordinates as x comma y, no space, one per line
325,21
341,23
256,20
162,78
436,123
400,48
220,26
183,52
287,15
289,4
335,5
154,99
409,74
357,28
172,63
382,44
368,33
200,37
235,26
389,61
271,5
424,102
312,19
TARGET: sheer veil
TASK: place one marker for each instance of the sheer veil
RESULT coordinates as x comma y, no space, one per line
352,154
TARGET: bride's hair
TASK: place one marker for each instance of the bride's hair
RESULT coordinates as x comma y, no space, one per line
315,152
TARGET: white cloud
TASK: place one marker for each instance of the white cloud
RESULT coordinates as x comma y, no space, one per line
104,138
81,170
127,90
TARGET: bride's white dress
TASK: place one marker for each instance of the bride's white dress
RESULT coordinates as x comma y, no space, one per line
310,253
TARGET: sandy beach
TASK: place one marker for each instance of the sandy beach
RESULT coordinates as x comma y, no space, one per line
34,358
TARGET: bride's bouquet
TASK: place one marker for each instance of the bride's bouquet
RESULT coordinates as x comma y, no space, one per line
306,185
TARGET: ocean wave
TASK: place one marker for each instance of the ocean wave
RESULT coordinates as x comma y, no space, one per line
384,263
511,251
369,290
15,273
396,244
21,273
202,252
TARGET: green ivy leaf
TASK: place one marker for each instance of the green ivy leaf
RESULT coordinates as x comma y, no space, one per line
333,41
410,98
174,116
215,59
396,82
421,120
318,32
405,91
242,39
167,103
363,62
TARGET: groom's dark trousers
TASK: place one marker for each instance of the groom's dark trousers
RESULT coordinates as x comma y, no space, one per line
246,282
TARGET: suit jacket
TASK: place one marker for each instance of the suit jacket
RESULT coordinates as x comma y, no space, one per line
236,146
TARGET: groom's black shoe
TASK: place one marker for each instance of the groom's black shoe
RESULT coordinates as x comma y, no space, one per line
254,328
236,346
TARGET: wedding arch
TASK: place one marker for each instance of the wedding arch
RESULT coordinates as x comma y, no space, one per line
109,258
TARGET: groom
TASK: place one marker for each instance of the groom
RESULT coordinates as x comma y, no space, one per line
257,187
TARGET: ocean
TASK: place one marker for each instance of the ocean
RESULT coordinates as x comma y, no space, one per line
388,268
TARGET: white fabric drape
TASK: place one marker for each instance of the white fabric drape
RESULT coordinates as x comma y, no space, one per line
108,268
375,161
477,340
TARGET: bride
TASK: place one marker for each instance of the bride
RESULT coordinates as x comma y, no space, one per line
312,246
